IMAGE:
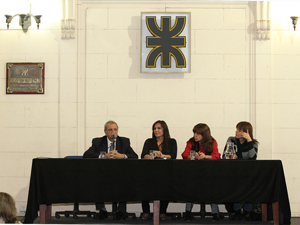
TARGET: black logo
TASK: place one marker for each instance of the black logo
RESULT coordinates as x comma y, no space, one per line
166,41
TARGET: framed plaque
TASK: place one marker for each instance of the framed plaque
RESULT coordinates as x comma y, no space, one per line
25,78
165,42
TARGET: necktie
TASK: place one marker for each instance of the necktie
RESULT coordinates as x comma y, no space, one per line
111,146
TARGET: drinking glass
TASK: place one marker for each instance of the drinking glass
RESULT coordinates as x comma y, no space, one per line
102,155
192,155
152,155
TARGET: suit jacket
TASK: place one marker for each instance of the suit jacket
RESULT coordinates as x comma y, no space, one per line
100,144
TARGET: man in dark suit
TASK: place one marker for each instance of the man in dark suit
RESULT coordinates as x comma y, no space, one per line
115,147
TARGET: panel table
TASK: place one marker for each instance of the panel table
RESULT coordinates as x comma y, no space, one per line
110,180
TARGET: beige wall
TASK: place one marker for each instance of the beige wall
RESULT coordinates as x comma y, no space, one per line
96,77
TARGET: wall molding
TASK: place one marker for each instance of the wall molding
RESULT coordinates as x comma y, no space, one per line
68,19
164,1
252,66
263,22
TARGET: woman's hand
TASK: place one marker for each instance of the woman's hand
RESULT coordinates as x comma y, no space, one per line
246,136
201,155
197,155
157,154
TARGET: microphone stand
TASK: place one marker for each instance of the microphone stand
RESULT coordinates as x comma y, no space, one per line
113,143
114,140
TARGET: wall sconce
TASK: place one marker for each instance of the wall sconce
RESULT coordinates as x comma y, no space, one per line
295,20
24,20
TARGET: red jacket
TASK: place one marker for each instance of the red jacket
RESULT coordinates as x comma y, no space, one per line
215,153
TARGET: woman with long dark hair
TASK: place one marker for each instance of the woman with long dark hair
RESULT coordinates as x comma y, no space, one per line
203,143
247,148
164,147
206,148
161,142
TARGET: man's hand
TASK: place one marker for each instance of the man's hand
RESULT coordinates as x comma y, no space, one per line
115,155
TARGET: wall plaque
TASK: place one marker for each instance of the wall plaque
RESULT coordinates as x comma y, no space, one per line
25,78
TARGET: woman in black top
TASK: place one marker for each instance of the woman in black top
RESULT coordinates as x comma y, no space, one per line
164,147
247,148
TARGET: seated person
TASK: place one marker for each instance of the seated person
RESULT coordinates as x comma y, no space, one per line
164,147
8,211
247,148
205,147
116,147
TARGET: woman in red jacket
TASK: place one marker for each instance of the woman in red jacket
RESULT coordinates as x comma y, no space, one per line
205,147
203,143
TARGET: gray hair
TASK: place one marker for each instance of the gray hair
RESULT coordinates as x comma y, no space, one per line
110,122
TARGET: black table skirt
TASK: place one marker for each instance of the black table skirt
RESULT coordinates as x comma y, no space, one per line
95,180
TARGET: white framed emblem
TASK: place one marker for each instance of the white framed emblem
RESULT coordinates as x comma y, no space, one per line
165,42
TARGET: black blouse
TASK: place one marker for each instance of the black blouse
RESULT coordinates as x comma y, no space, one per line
149,145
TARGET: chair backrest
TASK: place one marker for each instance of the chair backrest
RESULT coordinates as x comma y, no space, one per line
73,157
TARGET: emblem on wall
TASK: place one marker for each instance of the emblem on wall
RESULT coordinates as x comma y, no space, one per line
165,42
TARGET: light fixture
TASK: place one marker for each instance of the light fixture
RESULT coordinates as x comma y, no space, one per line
295,20
24,20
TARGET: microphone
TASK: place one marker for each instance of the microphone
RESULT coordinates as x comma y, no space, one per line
113,136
